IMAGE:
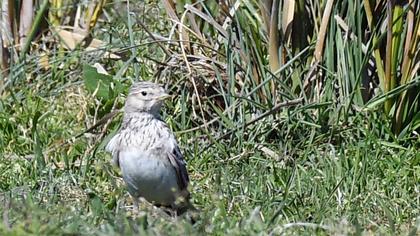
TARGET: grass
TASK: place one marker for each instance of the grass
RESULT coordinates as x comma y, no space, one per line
342,179
321,167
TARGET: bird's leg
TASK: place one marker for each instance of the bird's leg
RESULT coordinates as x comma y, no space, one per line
135,205
173,211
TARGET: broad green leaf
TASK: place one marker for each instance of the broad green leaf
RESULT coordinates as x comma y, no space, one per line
97,83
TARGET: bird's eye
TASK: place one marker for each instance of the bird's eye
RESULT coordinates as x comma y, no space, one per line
144,93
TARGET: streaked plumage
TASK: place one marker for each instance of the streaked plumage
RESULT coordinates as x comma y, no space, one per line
147,152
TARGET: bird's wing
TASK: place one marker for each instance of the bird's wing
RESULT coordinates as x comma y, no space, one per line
116,158
113,149
178,163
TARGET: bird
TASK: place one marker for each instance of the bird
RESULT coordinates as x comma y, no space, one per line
147,152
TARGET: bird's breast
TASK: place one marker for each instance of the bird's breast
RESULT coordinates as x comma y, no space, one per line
154,134
150,176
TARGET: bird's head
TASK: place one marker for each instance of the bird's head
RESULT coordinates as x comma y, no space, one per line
145,97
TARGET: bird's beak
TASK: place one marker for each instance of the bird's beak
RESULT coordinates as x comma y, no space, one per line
164,96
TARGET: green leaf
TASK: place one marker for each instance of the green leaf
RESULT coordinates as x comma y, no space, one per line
97,83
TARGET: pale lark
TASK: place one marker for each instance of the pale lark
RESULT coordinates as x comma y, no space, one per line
147,152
